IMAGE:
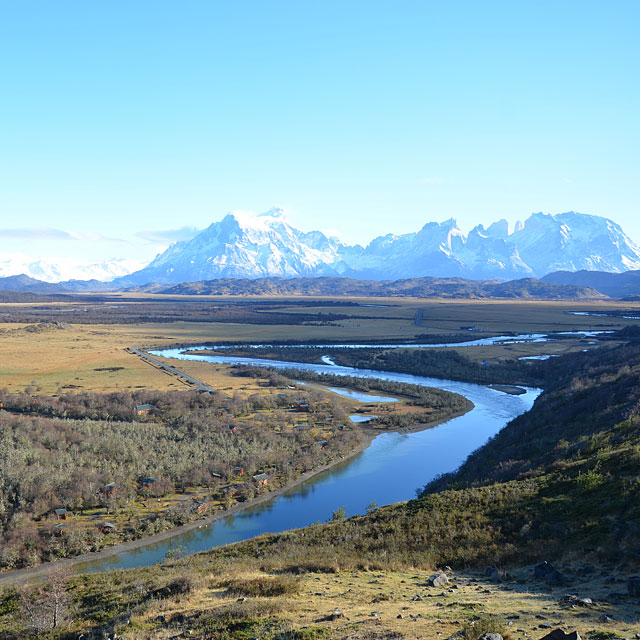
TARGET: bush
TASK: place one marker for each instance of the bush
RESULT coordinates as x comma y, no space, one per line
487,624
266,587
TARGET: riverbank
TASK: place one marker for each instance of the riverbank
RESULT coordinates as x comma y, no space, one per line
33,573
369,434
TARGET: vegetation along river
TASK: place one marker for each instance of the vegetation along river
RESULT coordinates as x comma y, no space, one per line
389,470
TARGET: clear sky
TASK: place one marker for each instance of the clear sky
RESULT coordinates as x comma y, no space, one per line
123,122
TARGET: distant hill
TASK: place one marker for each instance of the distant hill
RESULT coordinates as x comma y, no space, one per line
614,285
27,284
525,288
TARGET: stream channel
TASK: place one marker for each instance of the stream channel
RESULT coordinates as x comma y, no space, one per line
389,470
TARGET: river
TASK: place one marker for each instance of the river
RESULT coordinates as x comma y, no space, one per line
389,470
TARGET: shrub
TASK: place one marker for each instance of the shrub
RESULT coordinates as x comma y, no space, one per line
266,587
486,624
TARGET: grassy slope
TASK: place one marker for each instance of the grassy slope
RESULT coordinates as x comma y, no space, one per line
560,483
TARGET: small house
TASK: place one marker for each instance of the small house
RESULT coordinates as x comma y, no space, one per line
323,444
261,479
143,409
239,471
232,428
61,514
110,489
147,481
107,527
59,529
200,507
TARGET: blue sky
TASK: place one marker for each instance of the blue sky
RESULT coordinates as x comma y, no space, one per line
124,122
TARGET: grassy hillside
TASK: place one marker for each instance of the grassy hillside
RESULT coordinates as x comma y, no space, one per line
561,483
524,288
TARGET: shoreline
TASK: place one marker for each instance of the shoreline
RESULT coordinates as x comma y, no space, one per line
17,576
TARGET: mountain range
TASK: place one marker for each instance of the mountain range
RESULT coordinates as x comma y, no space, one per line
61,269
244,245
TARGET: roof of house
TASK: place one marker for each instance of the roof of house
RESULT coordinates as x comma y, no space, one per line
108,525
260,476
61,512
111,485
144,407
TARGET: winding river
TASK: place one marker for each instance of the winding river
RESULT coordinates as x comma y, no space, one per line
389,470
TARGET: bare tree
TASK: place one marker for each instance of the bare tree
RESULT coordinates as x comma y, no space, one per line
46,606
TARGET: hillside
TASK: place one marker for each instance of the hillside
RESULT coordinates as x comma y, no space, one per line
558,484
614,285
526,288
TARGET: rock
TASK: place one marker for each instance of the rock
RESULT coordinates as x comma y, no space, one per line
559,634
548,572
400,616
605,618
336,615
438,580
161,619
490,636
544,625
492,573
574,601
542,569
633,586
555,578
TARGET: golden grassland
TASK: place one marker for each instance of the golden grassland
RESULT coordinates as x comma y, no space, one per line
94,357
396,604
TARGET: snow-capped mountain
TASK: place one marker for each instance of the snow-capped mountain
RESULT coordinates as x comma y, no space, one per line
245,245
573,241
59,269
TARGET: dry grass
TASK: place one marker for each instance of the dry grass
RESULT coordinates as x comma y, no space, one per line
63,357
384,605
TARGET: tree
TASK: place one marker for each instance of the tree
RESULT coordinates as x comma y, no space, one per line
46,606
339,514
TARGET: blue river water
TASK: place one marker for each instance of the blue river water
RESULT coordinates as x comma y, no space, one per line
390,470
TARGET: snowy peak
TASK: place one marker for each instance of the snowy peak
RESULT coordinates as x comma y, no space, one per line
572,241
248,245
61,269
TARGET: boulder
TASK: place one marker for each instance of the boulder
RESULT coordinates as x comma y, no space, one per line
542,569
438,580
548,572
559,634
492,573
490,636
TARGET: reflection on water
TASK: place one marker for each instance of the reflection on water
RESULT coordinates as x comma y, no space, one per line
390,470
361,397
